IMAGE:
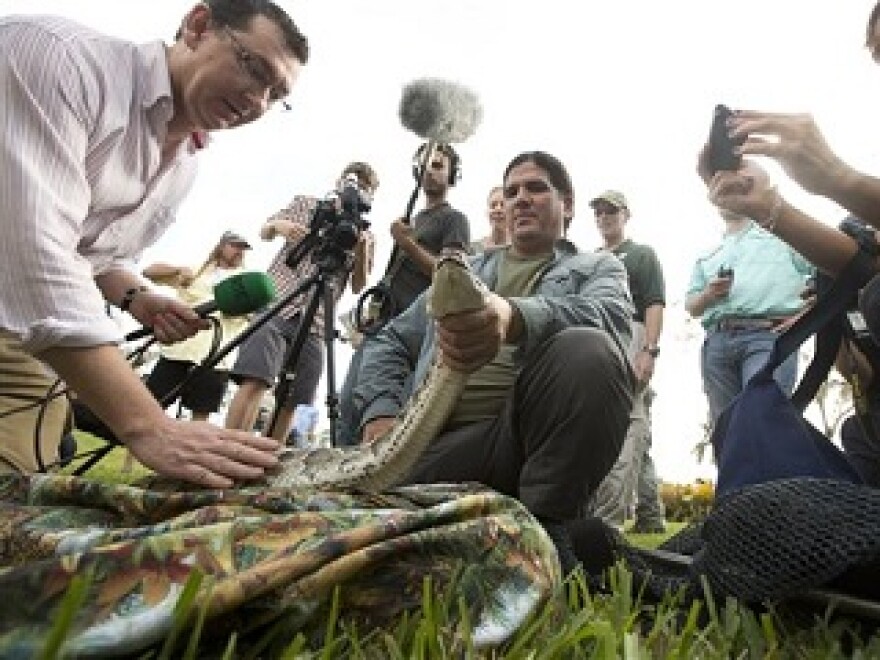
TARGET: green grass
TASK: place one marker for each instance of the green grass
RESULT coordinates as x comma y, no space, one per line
574,624
653,540
112,468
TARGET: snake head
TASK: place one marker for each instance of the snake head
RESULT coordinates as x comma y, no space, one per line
455,288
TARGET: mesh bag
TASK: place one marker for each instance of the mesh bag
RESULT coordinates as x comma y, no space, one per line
770,542
774,540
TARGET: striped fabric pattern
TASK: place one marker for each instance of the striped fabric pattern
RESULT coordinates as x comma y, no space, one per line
83,189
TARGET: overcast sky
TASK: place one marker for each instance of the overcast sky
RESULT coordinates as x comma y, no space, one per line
621,91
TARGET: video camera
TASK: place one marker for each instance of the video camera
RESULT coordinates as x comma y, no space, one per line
337,218
337,222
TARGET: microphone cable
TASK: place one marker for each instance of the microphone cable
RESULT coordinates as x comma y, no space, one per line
42,402
42,405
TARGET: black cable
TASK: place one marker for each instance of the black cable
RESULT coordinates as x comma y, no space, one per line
41,415
44,401
34,401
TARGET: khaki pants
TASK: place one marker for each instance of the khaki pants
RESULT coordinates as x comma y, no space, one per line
615,496
24,383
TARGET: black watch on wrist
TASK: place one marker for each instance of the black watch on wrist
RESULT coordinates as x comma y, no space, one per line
127,299
653,351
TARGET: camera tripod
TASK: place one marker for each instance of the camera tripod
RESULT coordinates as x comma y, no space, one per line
332,266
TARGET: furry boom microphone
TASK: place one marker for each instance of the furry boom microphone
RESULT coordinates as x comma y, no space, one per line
439,110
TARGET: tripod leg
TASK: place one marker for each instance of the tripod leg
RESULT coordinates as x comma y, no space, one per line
277,427
329,336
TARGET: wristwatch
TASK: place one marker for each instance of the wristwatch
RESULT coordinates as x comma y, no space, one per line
653,351
127,299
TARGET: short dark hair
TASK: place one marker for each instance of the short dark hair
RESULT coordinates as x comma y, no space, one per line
446,150
364,172
556,172
238,14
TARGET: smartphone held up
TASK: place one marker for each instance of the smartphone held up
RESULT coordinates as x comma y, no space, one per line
721,146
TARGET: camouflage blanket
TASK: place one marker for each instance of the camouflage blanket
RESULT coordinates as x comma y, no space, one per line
265,554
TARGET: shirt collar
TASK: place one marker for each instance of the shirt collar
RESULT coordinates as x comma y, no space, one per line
155,86
157,96
155,78
563,246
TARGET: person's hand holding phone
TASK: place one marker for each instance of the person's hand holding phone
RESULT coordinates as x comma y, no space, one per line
747,192
795,141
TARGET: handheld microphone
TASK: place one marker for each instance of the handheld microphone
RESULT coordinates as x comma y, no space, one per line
440,110
237,295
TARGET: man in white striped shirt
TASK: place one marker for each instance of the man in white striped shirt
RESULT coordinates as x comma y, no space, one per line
97,145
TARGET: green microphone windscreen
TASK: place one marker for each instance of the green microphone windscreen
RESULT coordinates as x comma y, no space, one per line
244,293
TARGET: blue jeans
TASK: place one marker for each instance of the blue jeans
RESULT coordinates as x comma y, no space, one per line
729,358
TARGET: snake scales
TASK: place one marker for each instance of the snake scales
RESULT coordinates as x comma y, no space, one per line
382,463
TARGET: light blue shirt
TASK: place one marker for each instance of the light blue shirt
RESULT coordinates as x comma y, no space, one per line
768,276
305,419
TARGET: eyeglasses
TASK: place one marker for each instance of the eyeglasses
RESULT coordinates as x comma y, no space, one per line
605,210
257,69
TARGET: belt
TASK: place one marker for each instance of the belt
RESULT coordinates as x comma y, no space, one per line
748,323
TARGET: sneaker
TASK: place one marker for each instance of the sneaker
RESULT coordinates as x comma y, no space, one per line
648,527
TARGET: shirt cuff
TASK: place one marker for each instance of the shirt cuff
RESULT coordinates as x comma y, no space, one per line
54,333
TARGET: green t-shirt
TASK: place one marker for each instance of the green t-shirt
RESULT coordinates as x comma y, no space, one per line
489,386
645,276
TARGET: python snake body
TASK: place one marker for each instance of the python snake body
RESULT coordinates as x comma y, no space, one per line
382,463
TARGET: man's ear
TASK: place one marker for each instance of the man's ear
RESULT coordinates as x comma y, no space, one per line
568,205
195,25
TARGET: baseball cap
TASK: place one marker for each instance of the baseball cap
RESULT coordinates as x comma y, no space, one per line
613,197
235,239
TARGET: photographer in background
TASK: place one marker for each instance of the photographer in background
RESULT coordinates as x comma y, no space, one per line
437,227
261,358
